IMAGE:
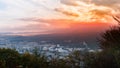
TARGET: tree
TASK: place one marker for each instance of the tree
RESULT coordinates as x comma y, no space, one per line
110,43
58,63
9,58
36,52
100,60
74,59
32,61
111,39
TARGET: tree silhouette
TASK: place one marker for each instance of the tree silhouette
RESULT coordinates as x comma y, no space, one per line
111,38
110,43
100,60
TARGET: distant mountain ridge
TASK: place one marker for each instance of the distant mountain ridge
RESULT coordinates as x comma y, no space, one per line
76,33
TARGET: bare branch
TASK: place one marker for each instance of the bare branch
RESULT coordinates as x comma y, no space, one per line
116,18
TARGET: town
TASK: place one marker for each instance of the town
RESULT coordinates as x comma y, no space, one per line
49,50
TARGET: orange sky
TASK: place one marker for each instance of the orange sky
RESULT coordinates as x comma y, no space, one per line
52,16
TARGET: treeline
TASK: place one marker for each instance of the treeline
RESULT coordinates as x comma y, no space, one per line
10,58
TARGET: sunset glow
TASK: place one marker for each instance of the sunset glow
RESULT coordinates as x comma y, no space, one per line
51,16
88,12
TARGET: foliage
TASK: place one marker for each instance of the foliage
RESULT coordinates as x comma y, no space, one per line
110,43
9,58
100,60
111,39
58,63
74,59
31,61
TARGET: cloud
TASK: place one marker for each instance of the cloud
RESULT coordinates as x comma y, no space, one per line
17,9
52,23
105,2
97,13
68,13
97,2
69,2
28,8
41,15
44,25
89,10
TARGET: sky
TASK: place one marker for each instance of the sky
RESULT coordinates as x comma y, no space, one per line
50,16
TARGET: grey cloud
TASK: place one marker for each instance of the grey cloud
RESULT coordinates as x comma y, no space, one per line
106,2
69,2
103,2
68,13
40,20
97,2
